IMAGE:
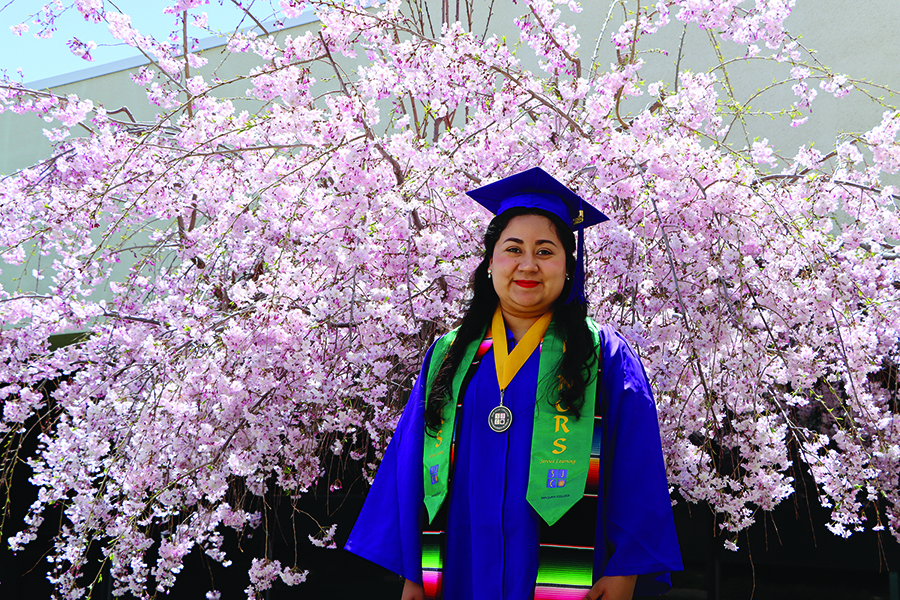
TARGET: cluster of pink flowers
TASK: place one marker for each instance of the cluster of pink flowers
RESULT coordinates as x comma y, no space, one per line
259,285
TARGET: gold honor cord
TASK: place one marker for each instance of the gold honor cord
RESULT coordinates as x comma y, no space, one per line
507,365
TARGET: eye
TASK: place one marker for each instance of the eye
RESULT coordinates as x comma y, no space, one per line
514,250
545,252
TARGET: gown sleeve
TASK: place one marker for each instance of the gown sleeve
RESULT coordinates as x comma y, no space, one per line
636,530
389,527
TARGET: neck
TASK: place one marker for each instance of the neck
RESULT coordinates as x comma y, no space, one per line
518,325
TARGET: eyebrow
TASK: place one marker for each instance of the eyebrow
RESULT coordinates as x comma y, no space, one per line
537,243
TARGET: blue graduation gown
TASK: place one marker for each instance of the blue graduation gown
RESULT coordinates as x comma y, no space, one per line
493,534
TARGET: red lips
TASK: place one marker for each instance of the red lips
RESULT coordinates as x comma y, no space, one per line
526,283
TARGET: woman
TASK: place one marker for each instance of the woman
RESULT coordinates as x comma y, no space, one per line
527,463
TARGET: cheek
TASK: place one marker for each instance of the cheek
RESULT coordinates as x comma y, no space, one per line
500,263
561,268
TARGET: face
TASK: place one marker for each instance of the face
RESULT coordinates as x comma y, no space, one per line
528,267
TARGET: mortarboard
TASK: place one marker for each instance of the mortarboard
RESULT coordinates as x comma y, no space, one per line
535,188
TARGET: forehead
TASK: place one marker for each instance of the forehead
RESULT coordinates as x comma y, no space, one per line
531,228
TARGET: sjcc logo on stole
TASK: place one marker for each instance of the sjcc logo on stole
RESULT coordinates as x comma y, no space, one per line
556,478
434,474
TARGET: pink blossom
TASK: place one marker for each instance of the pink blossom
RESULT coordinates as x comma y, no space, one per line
120,28
761,152
184,5
81,49
838,86
91,10
292,8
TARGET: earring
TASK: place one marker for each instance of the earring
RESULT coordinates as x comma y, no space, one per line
489,273
568,277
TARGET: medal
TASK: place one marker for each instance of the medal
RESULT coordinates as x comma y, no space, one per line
501,417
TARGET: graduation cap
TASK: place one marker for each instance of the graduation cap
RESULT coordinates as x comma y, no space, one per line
535,188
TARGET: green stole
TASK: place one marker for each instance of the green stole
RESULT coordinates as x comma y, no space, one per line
560,443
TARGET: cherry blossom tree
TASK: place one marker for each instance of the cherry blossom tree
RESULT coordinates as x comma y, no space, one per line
259,271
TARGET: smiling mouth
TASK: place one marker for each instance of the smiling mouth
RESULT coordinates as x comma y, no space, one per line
526,283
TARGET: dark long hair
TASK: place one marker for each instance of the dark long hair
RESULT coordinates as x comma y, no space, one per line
579,359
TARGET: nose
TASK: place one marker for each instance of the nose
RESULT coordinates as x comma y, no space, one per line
528,264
